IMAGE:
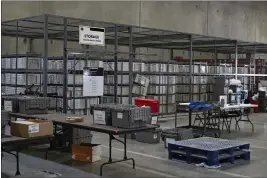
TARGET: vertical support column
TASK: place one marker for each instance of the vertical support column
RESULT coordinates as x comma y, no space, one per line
250,62
45,61
116,65
130,65
86,99
190,67
215,56
168,81
30,45
74,85
27,75
236,59
17,50
254,64
190,80
65,70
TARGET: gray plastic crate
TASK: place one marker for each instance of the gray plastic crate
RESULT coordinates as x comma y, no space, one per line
33,105
130,116
129,136
11,103
177,134
151,137
81,136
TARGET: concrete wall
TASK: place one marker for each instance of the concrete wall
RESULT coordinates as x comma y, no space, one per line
236,20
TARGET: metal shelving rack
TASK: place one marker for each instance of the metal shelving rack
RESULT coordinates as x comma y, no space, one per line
50,27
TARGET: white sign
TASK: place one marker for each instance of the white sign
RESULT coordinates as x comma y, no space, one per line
119,115
91,35
154,120
155,136
34,128
93,81
99,117
8,106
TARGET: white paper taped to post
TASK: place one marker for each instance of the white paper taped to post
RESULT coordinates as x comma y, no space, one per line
93,81
91,35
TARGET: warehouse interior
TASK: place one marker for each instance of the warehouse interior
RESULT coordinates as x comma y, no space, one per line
194,72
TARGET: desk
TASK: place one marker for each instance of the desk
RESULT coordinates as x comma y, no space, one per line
227,108
240,108
200,130
87,124
12,143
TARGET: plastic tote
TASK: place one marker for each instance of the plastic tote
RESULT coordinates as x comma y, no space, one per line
154,104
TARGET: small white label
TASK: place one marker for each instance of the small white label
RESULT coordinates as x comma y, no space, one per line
34,128
119,115
8,106
169,140
154,120
155,136
99,117
143,82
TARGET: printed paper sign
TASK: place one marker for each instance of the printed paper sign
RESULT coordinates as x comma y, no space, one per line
91,35
155,136
154,120
93,81
99,117
119,115
34,128
8,106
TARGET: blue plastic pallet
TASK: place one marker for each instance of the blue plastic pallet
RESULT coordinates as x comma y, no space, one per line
212,151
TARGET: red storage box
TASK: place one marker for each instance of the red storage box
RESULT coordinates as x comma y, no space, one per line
256,110
154,104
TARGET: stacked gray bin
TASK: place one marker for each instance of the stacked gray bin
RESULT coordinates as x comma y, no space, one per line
177,134
4,120
14,102
81,136
33,105
151,136
107,108
128,116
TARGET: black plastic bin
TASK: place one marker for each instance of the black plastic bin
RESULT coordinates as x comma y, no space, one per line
152,136
33,105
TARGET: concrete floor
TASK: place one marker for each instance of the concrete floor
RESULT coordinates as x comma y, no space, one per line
152,160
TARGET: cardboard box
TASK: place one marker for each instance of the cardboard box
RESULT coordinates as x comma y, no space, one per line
31,128
86,152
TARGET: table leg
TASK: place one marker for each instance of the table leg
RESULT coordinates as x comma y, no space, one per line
247,120
48,149
17,159
190,118
205,123
111,137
